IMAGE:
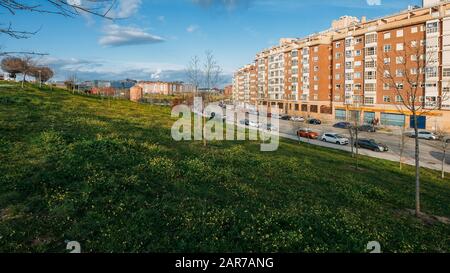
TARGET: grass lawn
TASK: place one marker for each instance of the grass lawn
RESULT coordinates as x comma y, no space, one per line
73,168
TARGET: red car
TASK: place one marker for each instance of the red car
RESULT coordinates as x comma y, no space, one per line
306,133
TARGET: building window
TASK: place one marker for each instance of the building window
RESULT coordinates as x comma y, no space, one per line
432,27
431,72
414,30
370,75
371,38
446,72
386,99
387,48
392,119
371,51
369,100
371,64
399,86
398,99
400,33
387,35
400,46
338,45
386,86
340,114
370,87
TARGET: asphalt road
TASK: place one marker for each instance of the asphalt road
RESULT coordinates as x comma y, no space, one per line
430,154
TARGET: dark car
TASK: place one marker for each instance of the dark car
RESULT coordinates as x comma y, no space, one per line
371,145
367,128
342,125
286,117
245,122
315,121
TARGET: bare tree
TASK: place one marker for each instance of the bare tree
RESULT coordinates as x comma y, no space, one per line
27,65
70,83
12,66
68,8
403,140
212,71
208,74
194,73
353,129
406,79
41,74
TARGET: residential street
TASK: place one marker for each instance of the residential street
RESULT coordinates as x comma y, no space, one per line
430,153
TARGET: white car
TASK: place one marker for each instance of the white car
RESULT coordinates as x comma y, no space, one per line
424,135
334,138
276,116
253,124
299,119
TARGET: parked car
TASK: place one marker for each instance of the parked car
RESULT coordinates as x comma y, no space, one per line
342,125
315,121
299,119
367,128
335,138
245,122
277,116
285,117
306,133
372,145
253,124
424,135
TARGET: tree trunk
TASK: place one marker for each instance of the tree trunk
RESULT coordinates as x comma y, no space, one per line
443,164
402,146
23,79
417,161
356,147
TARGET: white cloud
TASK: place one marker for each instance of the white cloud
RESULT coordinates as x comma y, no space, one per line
115,35
127,8
113,70
192,28
374,2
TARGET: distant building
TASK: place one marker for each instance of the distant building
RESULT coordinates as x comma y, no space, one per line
163,88
228,91
104,91
136,93
124,84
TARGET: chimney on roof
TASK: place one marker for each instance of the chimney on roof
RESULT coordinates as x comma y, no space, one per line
363,19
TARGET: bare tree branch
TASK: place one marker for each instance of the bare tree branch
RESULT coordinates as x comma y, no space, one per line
67,8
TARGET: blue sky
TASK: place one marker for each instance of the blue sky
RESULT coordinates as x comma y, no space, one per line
156,38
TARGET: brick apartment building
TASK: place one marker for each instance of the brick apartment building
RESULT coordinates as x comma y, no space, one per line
245,86
339,73
228,91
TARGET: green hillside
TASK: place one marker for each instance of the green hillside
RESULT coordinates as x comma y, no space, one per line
109,175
